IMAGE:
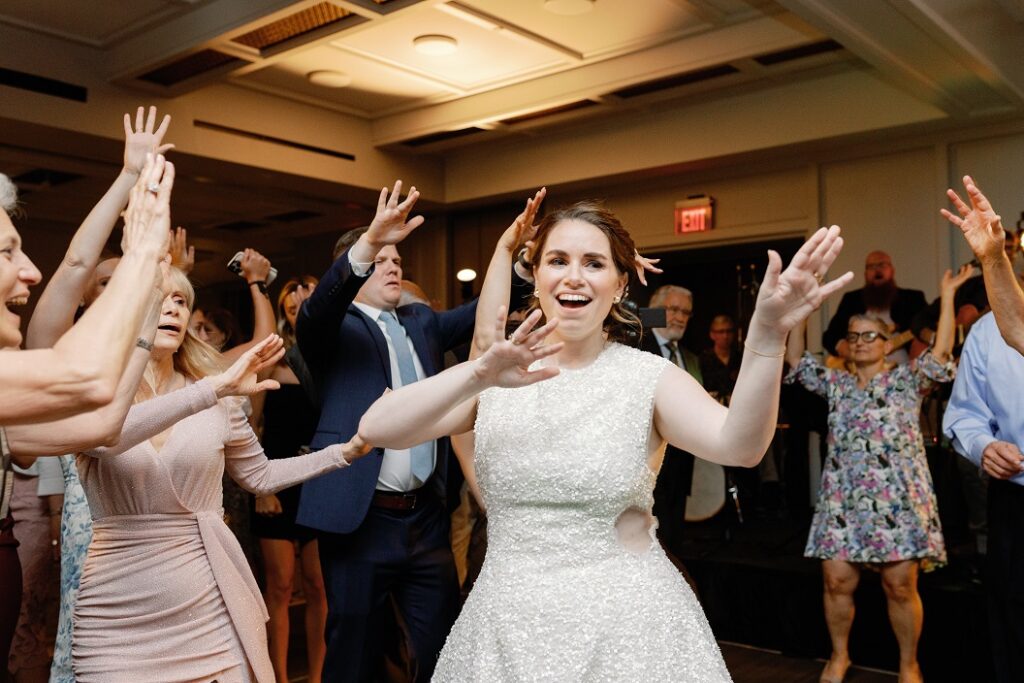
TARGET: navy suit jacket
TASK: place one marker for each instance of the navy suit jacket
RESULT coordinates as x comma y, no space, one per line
347,355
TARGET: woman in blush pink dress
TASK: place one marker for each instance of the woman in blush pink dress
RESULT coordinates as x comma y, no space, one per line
166,593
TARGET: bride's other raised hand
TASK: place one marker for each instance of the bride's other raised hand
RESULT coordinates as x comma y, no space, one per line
788,296
241,378
507,362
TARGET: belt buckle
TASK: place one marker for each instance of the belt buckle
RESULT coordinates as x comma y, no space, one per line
410,500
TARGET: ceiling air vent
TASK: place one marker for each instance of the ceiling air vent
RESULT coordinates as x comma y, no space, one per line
293,216
801,52
240,226
252,135
551,111
670,82
191,66
44,177
294,25
442,137
43,85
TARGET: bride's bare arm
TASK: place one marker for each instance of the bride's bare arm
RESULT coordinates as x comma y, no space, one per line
446,403
739,435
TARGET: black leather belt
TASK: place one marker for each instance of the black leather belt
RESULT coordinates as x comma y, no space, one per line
396,500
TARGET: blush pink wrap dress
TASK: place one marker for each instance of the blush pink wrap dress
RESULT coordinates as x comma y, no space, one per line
166,592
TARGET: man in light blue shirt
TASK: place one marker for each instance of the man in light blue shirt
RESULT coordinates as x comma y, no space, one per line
985,422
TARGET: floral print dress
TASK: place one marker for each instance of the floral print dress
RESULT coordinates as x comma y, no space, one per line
876,502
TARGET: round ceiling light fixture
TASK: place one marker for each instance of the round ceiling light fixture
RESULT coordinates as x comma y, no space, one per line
466,275
569,8
329,79
435,45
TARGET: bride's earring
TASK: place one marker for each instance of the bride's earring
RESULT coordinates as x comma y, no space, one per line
536,294
617,299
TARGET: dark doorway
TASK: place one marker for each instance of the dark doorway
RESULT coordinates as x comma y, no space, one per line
723,280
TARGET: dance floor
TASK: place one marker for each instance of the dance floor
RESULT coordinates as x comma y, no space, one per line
754,665
757,590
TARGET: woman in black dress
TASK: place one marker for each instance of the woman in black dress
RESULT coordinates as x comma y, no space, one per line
289,421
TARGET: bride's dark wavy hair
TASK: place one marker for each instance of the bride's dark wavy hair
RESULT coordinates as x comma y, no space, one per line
621,324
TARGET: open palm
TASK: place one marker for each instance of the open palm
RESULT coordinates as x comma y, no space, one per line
788,296
981,226
145,138
392,224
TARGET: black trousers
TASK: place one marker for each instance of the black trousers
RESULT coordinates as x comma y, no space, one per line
395,569
1004,582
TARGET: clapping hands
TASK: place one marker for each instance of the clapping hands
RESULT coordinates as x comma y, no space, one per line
507,362
147,220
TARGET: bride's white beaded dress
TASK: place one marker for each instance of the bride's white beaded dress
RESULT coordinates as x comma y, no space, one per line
575,587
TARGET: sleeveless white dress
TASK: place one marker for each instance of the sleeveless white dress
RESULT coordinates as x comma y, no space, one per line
561,597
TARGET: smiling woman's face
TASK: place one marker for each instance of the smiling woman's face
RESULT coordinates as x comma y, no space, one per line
17,274
577,280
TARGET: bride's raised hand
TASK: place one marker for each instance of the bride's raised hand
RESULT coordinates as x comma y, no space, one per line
788,296
507,362
241,378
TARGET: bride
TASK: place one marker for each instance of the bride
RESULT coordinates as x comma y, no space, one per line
568,426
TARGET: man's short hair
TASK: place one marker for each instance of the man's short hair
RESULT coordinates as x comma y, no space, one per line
347,240
8,195
661,293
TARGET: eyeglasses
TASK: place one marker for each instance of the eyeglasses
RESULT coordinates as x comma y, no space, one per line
675,310
868,337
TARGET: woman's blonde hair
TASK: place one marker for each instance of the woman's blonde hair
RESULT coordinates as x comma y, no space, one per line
194,358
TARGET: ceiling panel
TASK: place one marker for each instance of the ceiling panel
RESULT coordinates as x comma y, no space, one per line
375,86
611,26
484,57
81,20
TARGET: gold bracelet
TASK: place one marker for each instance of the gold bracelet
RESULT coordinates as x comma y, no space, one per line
754,351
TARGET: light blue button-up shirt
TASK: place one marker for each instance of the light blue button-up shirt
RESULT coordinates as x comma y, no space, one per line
988,395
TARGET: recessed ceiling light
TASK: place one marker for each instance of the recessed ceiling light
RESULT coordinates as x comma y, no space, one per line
569,8
329,79
435,45
466,275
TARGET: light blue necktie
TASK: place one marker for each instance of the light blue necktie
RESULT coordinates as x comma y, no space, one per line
422,454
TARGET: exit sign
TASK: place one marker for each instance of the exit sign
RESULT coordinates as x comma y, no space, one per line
694,214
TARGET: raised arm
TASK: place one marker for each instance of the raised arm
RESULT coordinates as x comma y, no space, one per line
255,270
54,314
321,314
982,227
739,435
100,427
157,414
497,287
944,334
83,369
446,403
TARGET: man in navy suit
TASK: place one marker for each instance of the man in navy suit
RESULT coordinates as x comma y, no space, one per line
383,525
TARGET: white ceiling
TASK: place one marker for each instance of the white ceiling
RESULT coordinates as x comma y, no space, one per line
519,70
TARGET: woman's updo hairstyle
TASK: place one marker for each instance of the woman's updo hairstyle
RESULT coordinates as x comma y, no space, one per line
621,325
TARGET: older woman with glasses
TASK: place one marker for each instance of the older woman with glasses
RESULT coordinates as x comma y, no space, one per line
876,505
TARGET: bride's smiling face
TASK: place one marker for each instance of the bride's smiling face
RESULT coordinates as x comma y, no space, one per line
577,279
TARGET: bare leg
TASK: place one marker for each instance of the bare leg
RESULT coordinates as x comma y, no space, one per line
841,579
906,614
316,610
279,565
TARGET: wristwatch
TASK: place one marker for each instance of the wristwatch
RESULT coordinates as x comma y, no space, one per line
261,285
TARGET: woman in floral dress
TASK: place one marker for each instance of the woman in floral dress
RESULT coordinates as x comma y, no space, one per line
876,506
